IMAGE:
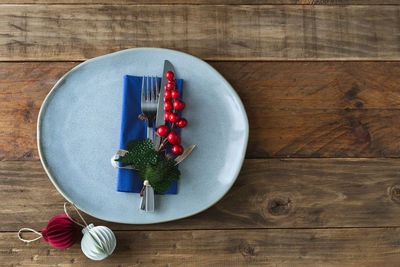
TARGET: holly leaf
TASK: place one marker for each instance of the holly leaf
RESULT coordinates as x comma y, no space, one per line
140,154
160,175
151,173
152,166
162,186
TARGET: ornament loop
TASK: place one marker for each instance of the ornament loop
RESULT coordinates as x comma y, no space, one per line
77,211
28,230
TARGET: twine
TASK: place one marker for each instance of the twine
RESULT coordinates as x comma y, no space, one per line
28,230
40,234
77,211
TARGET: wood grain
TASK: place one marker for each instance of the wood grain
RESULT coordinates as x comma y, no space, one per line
218,32
213,2
302,247
269,193
295,109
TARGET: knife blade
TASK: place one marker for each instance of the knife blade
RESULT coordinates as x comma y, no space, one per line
160,108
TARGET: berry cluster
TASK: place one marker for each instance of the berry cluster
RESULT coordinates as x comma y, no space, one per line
171,105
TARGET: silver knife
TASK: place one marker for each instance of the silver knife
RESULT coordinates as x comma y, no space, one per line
160,108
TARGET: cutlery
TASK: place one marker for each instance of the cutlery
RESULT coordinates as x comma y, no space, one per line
160,109
149,102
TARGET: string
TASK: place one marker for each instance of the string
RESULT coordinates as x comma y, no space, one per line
77,211
29,230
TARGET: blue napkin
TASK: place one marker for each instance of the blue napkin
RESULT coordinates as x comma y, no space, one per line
133,128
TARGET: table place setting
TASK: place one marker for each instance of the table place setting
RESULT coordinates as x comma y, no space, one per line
151,164
171,161
181,133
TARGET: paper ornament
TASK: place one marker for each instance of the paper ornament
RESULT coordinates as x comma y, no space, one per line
98,242
62,231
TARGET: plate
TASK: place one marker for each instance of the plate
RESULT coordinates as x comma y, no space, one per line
79,128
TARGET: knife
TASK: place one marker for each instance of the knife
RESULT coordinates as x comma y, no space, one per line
160,108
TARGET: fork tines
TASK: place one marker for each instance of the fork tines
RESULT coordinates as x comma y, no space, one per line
150,89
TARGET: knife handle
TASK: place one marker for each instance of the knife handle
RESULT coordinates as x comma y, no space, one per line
157,141
150,133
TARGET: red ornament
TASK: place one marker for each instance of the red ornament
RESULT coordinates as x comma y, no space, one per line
162,130
166,115
177,149
174,117
167,105
61,232
181,123
175,94
174,138
169,75
179,104
167,95
169,86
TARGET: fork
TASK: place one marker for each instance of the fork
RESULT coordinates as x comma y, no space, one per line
149,102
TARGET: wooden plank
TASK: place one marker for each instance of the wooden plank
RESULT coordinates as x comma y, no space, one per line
218,32
302,247
269,193
213,2
295,109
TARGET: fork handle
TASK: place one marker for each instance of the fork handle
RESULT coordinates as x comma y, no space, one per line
150,133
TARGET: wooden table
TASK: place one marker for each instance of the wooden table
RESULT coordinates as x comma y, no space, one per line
320,185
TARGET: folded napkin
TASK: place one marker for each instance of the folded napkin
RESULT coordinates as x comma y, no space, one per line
133,128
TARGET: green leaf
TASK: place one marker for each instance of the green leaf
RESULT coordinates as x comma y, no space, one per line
140,153
151,173
154,167
145,144
162,186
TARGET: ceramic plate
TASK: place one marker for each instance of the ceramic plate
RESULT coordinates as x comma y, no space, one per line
79,129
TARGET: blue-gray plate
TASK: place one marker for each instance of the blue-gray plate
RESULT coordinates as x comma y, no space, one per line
79,128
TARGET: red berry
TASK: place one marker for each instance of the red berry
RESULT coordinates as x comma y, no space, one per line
162,130
178,104
174,117
181,123
169,86
166,115
167,105
172,82
174,138
169,75
167,95
177,149
175,94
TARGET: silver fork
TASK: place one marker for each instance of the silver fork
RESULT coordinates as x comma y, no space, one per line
149,102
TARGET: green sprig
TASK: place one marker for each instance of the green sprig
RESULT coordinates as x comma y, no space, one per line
152,166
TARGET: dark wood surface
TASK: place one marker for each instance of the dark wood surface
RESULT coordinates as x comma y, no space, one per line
257,247
320,185
269,193
213,32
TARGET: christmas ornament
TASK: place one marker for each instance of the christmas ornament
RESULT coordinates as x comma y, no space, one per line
98,242
62,231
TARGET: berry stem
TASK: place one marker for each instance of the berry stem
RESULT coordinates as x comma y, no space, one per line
163,142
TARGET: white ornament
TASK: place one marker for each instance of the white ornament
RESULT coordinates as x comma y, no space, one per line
98,242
